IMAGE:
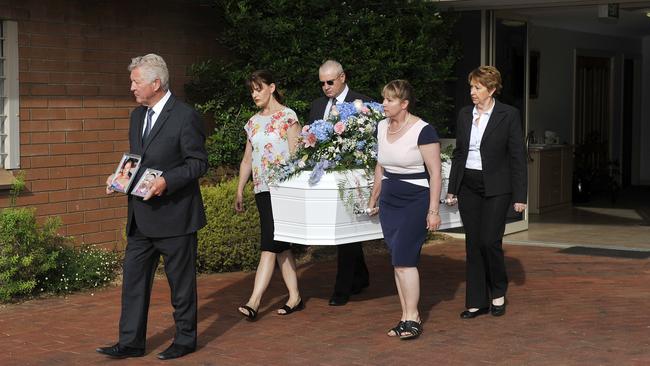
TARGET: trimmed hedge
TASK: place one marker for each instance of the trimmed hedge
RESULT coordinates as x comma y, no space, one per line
230,240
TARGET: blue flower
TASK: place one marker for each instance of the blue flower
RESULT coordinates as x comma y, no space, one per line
346,110
322,129
375,106
321,150
318,171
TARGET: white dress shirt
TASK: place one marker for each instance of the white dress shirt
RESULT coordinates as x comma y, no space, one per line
339,99
157,109
479,123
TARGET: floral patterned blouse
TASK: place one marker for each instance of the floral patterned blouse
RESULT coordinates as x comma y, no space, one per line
268,137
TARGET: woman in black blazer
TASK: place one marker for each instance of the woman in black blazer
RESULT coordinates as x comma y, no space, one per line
488,174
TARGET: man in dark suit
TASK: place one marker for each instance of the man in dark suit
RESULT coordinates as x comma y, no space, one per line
352,273
168,135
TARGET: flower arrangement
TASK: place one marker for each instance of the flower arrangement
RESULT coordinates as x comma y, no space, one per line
447,153
346,140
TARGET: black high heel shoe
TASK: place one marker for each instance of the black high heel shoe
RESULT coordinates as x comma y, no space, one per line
288,310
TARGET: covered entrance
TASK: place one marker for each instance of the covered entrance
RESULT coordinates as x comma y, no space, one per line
578,71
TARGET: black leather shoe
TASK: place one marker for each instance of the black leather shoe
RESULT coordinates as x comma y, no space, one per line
498,310
339,299
175,351
473,314
117,351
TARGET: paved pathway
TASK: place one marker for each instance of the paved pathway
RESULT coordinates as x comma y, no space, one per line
564,309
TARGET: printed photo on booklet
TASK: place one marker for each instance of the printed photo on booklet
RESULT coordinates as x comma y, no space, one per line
125,172
146,181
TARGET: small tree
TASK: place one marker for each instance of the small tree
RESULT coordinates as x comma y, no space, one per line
376,41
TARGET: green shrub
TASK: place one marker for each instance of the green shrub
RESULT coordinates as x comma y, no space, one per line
226,145
80,268
376,41
35,259
26,251
230,240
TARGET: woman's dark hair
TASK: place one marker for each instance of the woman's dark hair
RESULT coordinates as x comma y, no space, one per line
260,77
133,162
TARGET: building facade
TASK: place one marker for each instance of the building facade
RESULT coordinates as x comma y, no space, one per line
65,98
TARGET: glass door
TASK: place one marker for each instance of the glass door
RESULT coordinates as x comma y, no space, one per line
507,50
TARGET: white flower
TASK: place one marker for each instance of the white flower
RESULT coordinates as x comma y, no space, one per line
358,105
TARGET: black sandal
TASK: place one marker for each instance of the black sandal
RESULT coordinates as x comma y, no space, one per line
397,330
410,330
288,310
252,313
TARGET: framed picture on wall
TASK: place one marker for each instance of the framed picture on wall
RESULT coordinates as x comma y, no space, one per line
533,73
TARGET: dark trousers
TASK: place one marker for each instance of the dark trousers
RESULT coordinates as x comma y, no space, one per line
484,219
352,272
140,263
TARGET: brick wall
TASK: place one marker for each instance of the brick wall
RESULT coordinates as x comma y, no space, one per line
75,99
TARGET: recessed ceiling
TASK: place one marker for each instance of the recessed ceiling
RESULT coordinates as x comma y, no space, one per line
630,23
581,16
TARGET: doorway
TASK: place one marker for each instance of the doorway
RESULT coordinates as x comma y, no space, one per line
509,54
592,125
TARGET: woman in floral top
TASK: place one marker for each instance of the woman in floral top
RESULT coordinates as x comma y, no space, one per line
272,136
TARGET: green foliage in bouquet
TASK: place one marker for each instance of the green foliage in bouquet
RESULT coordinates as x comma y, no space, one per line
345,141
230,240
376,41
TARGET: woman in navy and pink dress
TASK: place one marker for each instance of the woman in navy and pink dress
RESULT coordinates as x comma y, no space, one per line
407,185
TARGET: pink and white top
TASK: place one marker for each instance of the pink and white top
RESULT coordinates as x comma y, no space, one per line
403,155
268,137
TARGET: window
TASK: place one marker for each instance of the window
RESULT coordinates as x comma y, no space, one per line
9,133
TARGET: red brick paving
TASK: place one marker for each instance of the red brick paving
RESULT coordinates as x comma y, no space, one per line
563,310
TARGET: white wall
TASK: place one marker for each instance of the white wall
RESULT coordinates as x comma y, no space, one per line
553,109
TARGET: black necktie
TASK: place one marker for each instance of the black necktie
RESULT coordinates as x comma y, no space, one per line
147,129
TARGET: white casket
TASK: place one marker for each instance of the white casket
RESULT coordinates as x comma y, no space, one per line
315,215
449,216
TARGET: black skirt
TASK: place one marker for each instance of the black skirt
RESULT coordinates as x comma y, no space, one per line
267,229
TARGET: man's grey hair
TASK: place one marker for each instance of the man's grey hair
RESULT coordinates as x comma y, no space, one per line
331,65
152,67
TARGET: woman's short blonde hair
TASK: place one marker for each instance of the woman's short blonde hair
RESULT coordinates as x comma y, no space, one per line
400,89
488,76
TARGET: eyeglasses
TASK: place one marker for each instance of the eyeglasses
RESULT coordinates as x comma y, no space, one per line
329,82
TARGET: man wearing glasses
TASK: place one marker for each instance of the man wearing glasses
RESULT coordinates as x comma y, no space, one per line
352,273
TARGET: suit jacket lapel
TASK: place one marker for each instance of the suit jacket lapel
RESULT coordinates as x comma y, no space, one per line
495,120
467,124
321,107
139,116
160,121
